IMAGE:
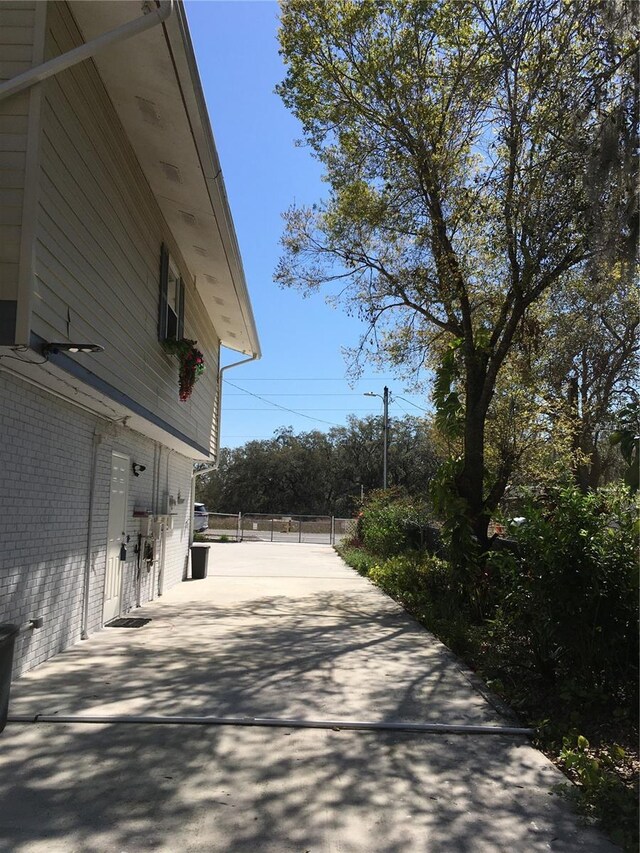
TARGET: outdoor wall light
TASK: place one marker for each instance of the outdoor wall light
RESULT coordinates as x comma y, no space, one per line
137,468
58,347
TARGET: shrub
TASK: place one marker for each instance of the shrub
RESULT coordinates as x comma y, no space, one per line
391,524
426,586
358,559
600,792
569,597
403,578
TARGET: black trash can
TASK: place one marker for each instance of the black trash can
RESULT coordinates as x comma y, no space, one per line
199,561
8,634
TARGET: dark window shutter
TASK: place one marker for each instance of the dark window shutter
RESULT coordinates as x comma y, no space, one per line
164,279
180,333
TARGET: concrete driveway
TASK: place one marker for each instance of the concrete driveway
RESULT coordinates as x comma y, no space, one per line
276,630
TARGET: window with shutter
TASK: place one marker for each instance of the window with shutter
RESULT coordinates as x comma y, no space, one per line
171,310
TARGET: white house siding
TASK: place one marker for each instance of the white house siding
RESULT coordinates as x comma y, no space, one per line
46,459
97,251
17,21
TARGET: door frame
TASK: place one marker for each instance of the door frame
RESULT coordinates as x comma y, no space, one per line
115,454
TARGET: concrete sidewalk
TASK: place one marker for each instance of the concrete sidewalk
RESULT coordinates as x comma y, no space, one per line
276,630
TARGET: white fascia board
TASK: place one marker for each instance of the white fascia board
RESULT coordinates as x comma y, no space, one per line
189,78
159,67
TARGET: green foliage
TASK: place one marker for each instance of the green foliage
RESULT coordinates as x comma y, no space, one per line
417,581
552,627
391,523
601,793
426,587
444,237
585,366
453,509
449,410
403,578
627,438
569,598
358,559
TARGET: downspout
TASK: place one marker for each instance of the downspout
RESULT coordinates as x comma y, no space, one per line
210,467
214,465
84,632
161,568
157,525
252,357
153,15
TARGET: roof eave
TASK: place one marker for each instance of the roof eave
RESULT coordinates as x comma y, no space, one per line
194,100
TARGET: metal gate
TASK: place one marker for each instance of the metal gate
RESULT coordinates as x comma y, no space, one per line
267,527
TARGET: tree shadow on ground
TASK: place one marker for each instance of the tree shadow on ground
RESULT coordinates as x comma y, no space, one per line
131,788
326,656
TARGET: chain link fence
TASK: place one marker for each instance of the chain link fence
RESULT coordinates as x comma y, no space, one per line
265,527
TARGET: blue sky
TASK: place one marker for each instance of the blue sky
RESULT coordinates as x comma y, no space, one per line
302,367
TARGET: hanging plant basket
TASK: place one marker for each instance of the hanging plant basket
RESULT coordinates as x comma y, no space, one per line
191,363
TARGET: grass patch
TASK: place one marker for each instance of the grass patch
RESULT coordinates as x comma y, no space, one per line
357,558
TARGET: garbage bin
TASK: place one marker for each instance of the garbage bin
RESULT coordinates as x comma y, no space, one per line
8,634
199,561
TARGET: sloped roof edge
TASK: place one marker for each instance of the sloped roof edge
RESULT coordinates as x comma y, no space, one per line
195,103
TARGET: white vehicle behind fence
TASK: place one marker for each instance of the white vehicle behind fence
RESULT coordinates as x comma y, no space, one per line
200,518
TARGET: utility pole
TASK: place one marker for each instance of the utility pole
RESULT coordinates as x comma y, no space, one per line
385,435
385,430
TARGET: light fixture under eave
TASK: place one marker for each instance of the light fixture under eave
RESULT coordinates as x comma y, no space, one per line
64,347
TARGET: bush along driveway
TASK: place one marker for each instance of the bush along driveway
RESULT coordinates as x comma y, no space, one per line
551,626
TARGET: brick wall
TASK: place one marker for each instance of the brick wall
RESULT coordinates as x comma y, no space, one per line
47,453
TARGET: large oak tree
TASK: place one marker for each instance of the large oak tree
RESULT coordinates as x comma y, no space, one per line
477,152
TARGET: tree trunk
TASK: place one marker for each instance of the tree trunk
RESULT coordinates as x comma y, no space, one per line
471,480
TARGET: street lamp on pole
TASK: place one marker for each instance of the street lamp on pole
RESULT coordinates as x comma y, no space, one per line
385,430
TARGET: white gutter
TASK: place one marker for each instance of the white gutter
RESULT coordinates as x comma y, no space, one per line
153,15
204,470
195,104
253,357
84,627
214,465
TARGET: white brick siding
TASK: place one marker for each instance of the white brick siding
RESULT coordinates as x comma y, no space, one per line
46,459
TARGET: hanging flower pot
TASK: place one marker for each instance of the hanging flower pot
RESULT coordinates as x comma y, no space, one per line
191,363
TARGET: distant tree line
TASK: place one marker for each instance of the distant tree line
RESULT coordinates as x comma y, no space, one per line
318,473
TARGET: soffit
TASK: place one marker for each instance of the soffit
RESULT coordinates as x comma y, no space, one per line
153,83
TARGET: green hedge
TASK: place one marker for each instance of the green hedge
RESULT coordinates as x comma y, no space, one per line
552,626
568,601
391,524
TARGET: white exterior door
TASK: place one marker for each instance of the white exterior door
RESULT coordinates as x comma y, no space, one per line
116,535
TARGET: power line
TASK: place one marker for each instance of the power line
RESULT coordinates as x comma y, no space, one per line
300,410
315,379
396,397
258,437
309,394
278,406
406,411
